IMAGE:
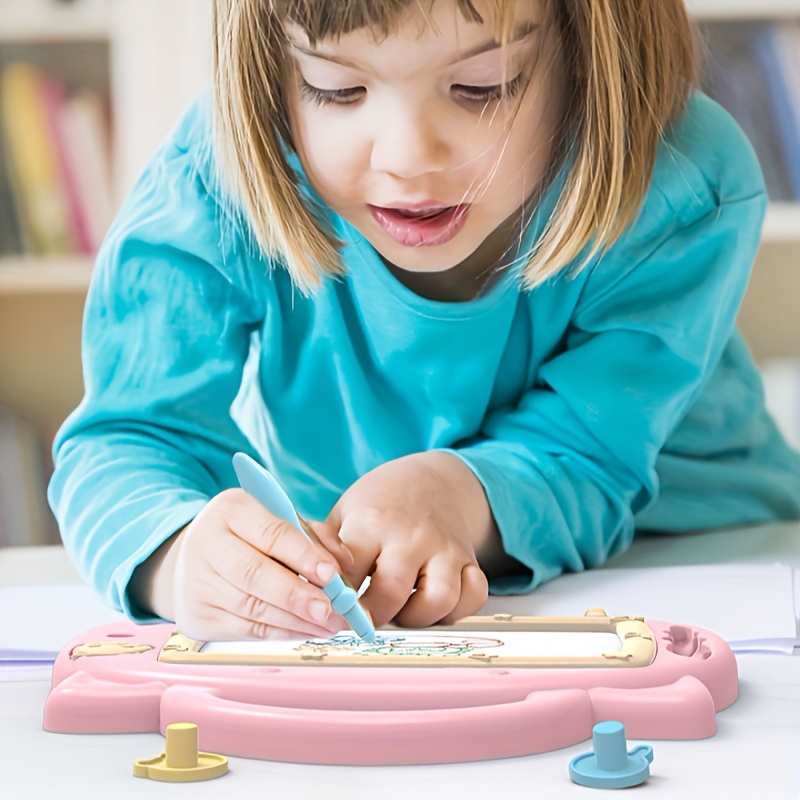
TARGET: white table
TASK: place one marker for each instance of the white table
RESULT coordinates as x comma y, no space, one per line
755,753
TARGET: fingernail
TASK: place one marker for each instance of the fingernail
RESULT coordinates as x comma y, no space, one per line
325,571
319,610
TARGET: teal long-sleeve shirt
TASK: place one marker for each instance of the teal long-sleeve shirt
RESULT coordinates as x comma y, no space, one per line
618,399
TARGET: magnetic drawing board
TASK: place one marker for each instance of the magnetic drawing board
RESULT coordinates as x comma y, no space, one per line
500,686
596,641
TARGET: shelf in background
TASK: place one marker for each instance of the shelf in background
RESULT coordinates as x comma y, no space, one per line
40,20
70,274
743,9
53,275
782,223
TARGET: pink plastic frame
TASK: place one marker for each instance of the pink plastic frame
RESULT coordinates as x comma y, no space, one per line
391,715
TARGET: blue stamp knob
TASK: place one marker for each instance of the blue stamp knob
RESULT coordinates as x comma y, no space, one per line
611,765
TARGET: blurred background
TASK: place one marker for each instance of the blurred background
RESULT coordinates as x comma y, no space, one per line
90,88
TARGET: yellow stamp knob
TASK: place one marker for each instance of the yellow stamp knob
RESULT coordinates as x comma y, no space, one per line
181,762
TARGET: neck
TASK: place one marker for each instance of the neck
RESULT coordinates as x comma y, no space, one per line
471,277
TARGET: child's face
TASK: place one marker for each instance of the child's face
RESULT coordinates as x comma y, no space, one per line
407,140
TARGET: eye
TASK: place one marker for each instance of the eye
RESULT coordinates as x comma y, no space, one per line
489,94
325,96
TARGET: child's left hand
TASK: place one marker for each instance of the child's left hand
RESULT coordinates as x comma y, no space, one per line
415,523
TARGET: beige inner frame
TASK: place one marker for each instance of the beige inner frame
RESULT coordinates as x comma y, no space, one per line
638,646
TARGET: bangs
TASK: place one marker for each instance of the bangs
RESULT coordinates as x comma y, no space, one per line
330,19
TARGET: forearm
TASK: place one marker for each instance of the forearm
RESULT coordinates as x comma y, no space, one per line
117,501
554,513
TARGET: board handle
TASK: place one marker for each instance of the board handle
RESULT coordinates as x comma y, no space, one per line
543,721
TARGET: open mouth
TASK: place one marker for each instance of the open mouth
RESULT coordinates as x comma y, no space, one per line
421,227
429,214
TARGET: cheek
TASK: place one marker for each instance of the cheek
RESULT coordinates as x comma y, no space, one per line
514,156
328,153
528,149
530,152
517,171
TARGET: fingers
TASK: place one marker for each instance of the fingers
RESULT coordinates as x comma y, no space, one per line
444,593
258,588
390,586
361,550
276,538
235,615
474,594
418,578
364,553
236,575
328,537
443,590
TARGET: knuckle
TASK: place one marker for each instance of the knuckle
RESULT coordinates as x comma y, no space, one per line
257,630
272,533
297,600
253,608
446,596
251,570
438,589
477,580
372,518
394,588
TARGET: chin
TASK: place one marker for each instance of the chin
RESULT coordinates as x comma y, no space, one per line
415,265
432,258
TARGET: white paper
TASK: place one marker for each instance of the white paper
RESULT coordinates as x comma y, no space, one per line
797,605
751,606
11,672
40,620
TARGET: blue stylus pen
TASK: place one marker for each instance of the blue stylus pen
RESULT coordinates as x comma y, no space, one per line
261,485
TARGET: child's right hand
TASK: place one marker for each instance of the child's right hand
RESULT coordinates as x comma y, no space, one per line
233,573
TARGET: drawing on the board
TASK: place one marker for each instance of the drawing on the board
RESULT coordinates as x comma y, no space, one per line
502,640
399,644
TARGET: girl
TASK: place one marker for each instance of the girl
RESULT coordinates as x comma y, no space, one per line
463,274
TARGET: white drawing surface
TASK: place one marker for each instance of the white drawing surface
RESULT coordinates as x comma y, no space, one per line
429,643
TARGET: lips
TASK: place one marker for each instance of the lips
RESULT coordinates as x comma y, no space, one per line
421,225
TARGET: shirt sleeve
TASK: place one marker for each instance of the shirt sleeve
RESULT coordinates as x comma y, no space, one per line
567,469
166,334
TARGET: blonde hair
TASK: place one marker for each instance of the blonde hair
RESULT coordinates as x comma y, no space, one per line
628,68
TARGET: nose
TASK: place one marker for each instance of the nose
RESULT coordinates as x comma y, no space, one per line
408,142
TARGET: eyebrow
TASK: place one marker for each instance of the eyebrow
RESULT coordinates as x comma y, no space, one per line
519,33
